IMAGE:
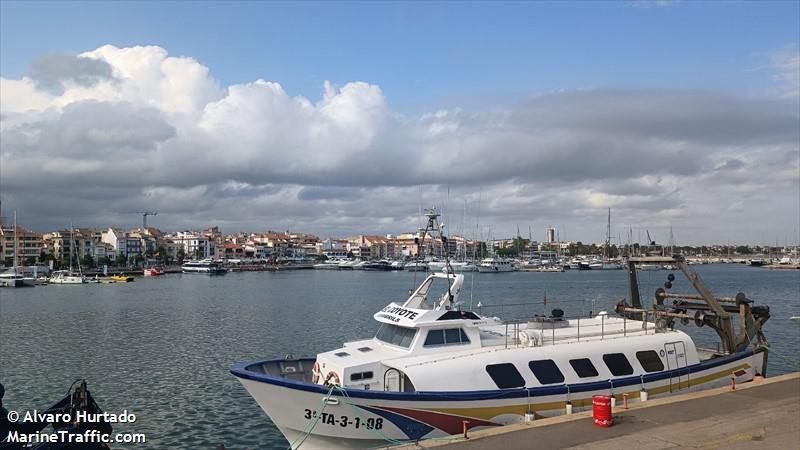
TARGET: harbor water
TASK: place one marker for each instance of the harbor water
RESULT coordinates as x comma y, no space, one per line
161,347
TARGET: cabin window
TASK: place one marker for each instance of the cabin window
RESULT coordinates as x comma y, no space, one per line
359,376
650,361
583,367
618,364
342,354
546,371
450,336
396,335
365,349
505,375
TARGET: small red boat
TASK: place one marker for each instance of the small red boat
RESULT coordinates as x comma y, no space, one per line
153,271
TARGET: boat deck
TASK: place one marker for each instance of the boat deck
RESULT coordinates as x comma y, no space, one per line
567,331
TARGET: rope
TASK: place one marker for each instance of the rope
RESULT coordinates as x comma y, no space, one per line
790,360
310,427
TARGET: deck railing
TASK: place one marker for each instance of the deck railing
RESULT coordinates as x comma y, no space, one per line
590,329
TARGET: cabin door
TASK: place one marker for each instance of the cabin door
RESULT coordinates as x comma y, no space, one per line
393,381
676,359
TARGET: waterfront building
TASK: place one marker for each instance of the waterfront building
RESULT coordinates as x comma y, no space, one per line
124,244
29,244
194,245
63,242
104,250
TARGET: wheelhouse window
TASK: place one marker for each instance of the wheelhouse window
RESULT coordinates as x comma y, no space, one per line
450,336
360,376
396,335
546,371
583,367
650,361
618,364
505,375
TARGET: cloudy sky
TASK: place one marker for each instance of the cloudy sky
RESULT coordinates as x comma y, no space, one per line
343,118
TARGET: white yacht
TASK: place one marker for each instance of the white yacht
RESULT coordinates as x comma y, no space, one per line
416,266
460,267
66,277
436,266
493,265
331,264
206,266
432,366
11,279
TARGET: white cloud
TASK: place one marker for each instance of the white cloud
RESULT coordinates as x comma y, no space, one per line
159,132
786,63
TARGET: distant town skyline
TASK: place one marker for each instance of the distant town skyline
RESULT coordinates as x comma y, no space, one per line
338,118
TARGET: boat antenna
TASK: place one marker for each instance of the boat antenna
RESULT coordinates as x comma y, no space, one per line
433,222
420,246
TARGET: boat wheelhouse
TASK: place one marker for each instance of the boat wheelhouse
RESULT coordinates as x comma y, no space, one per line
431,366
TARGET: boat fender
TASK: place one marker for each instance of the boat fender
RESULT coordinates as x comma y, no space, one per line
315,373
332,375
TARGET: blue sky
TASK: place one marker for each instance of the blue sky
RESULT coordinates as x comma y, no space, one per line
424,54
671,113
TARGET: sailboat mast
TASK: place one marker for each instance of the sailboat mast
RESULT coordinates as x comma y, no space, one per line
608,235
71,245
16,244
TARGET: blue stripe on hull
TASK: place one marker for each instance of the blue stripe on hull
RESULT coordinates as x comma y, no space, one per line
240,370
414,429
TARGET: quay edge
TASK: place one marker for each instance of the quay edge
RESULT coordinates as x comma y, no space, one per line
759,414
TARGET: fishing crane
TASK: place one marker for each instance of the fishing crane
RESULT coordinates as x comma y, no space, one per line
144,217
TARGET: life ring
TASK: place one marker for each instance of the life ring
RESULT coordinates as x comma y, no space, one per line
315,373
332,375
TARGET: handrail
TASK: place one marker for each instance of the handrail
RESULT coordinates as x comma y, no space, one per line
579,329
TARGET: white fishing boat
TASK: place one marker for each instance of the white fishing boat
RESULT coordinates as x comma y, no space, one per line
495,265
432,367
206,267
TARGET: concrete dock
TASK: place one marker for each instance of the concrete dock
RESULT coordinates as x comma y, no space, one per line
763,414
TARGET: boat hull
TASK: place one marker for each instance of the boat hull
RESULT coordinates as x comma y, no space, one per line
495,269
362,419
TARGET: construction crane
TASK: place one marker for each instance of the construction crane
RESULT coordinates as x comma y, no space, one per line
144,217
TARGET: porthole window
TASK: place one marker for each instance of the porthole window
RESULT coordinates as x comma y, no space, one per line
546,371
505,375
650,361
360,376
618,364
583,367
